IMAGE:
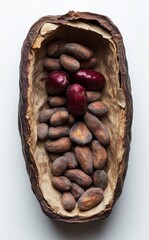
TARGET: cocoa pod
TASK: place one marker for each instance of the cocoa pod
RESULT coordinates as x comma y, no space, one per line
76,190
97,128
80,134
90,199
78,176
84,157
59,166
99,155
99,33
79,51
60,145
68,201
61,183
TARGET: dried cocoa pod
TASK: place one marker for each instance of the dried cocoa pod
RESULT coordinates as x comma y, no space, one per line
59,166
84,157
61,183
116,94
76,190
68,201
90,199
60,145
97,128
78,176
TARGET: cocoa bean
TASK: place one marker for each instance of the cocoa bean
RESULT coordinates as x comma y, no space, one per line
89,64
99,155
52,64
42,131
97,128
80,134
61,183
57,132
60,145
71,119
55,48
90,199
93,96
59,118
78,176
84,157
69,63
45,115
53,156
71,160
76,190
100,179
57,101
98,108
68,201
59,166
79,51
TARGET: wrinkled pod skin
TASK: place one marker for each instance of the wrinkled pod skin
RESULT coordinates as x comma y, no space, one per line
24,124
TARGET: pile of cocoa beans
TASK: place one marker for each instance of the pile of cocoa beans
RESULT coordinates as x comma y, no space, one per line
71,127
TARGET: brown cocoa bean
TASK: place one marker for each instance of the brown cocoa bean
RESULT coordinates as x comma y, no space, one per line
45,115
69,63
57,132
76,190
99,155
93,96
79,51
59,118
78,176
52,64
71,119
42,131
80,134
84,157
60,145
55,48
71,160
57,101
61,183
97,128
89,64
59,166
100,179
98,108
53,156
68,201
90,199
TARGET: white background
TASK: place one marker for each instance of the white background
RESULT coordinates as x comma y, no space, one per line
20,215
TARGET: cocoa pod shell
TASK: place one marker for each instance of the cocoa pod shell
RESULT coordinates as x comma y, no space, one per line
81,26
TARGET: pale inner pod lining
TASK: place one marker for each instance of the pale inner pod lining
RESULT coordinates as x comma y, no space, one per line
103,45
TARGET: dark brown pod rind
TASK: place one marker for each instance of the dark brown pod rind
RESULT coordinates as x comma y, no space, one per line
33,48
